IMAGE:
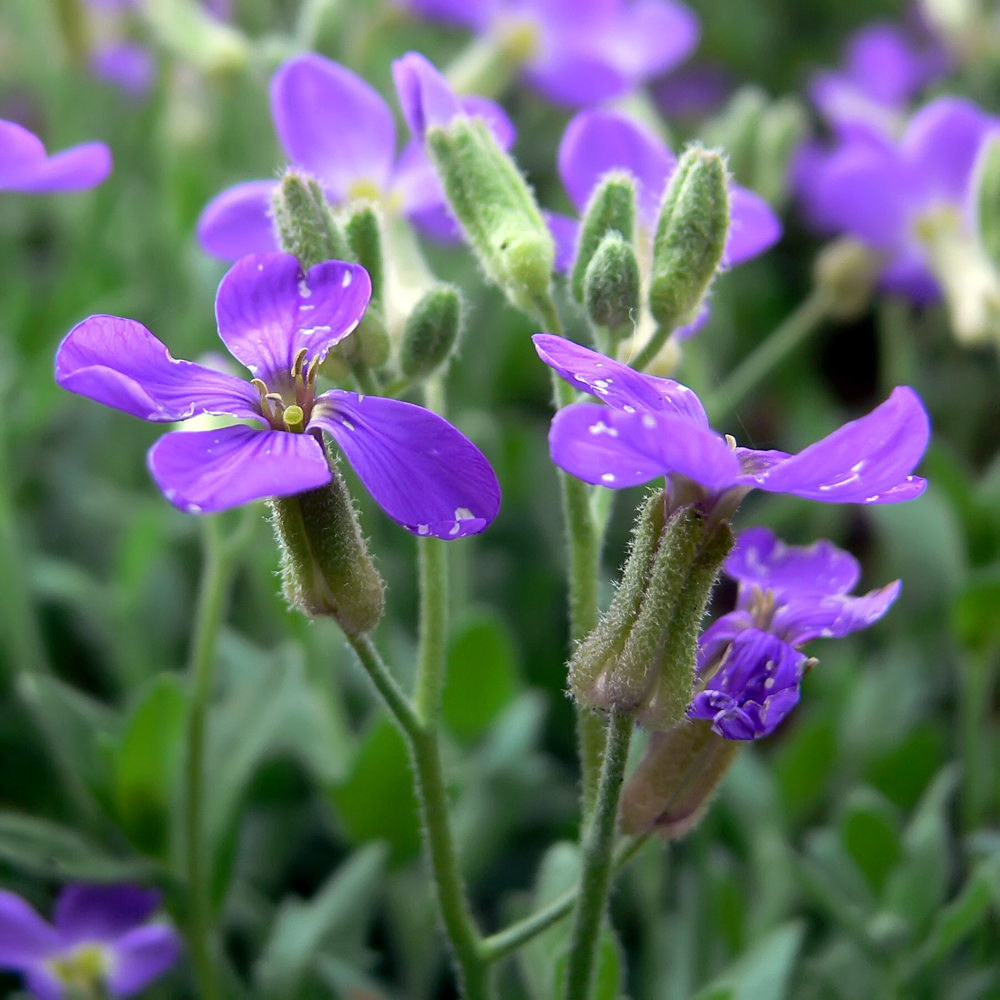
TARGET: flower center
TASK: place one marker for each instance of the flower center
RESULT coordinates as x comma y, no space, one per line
519,38
290,410
82,970
364,189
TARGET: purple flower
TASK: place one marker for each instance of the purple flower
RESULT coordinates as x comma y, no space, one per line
128,66
280,324
748,660
653,427
578,52
101,941
596,142
334,125
26,167
901,198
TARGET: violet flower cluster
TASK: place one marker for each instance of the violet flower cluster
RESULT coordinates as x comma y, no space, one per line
749,666
338,128
27,168
101,941
582,52
280,323
647,427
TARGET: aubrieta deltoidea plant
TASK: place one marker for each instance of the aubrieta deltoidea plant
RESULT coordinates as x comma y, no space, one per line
335,405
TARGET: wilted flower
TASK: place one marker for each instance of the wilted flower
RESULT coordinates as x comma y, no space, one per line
582,52
748,660
101,942
338,128
653,427
280,324
26,167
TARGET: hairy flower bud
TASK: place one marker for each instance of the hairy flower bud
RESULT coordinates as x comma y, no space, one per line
363,230
432,331
670,790
690,237
496,208
612,208
612,285
306,226
326,569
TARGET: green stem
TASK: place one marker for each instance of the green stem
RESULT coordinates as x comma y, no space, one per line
653,347
432,648
769,354
216,576
977,679
598,861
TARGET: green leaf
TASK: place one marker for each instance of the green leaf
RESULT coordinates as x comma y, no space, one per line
482,675
762,973
55,852
148,766
869,828
378,801
974,614
337,916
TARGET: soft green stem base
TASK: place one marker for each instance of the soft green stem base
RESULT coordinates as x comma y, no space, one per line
769,354
598,860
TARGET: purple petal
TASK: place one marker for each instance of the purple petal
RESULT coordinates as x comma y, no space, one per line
472,15
119,363
907,274
650,37
803,618
25,939
693,91
205,471
424,94
596,142
21,153
753,225
43,984
761,558
716,639
415,181
575,77
689,330
869,460
129,67
141,956
421,471
102,912
615,448
942,142
238,221
565,232
621,387
25,167
846,105
268,310
881,59
333,123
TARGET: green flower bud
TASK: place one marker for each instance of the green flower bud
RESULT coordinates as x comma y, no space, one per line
611,208
326,569
612,285
673,785
779,135
641,657
185,28
690,237
846,270
497,210
364,237
306,226
432,331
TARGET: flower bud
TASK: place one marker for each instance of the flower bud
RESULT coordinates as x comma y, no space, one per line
431,332
364,237
611,208
326,569
670,790
612,285
779,135
496,208
690,237
306,226
847,270
641,657
185,28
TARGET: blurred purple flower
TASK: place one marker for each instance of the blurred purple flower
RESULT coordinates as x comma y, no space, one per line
26,167
578,52
896,196
693,91
280,324
100,940
597,142
654,427
128,66
334,125
748,660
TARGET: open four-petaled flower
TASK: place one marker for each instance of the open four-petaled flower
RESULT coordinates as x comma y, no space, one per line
100,941
337,127
653,427
280,323
26,167
578,52
748,660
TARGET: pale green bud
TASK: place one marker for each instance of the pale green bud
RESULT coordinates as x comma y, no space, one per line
497,210
432,331
611,208
326,569
847,271
779,135
737,130
306,226
690,237
189,31
612,285
363,230
987,189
